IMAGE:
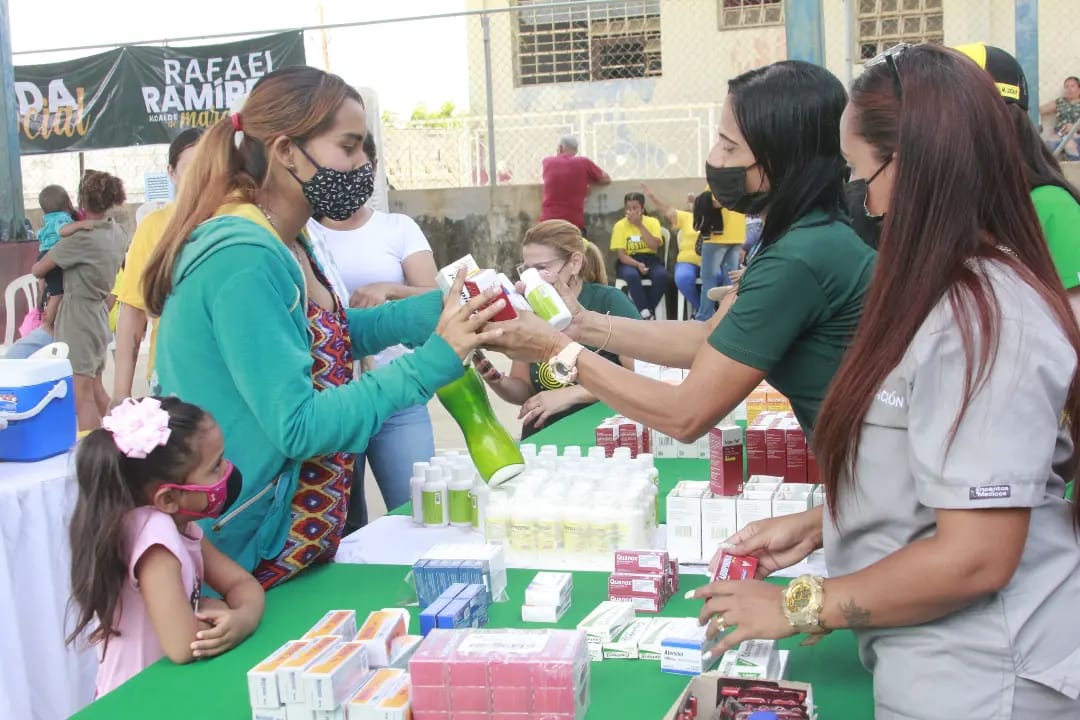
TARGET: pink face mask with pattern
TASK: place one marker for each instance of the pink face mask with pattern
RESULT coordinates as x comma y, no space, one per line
219,496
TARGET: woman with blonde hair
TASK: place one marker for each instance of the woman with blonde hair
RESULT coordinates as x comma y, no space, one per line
251,331
556,249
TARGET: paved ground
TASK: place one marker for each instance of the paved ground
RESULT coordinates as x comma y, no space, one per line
447,433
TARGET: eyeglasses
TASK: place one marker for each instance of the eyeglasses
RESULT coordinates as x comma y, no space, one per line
889,58
544,267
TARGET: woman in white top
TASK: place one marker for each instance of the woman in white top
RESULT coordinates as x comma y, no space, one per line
377,257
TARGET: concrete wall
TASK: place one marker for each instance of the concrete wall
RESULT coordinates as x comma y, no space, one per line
487,222
490,222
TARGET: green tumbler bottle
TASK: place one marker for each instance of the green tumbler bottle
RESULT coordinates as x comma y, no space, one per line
493,451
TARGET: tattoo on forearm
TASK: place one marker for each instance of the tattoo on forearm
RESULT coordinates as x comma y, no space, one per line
854,616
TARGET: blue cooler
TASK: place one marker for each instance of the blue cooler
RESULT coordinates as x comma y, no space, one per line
37,409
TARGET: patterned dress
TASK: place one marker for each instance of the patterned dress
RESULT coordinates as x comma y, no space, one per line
322,494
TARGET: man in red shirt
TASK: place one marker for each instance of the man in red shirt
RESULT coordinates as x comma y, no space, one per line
567,177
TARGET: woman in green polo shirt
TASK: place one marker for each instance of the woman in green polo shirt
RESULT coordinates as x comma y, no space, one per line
799,301
557,251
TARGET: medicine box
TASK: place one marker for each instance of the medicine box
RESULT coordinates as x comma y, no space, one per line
548,588
753,505
380,629
262,679
684,520
604,623
381,685
446,276
726,460
290,673
753,659
277,713
718,521
641,561
341,623
625,645
682,650
654,633
329,682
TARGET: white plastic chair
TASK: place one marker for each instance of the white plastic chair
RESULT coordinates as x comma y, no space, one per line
28,284
660,311
53,351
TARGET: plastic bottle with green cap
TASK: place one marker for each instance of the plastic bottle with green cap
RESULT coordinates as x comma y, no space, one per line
493,451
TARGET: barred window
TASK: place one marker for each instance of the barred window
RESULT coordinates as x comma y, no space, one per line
749,13
884,23
599,41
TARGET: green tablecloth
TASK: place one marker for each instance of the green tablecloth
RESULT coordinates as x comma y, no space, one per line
621,689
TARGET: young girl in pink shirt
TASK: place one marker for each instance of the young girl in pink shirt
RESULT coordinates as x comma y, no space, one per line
138,561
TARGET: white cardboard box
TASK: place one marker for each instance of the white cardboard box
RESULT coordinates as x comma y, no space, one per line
789,502
753,505
684,520
719,521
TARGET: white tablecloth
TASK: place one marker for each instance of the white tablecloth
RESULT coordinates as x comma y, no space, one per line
397,540
40,678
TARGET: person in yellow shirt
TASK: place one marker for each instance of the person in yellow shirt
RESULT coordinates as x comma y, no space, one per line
720,256
131,320
637,239
688,261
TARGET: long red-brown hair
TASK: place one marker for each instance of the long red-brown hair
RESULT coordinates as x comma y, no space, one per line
959,193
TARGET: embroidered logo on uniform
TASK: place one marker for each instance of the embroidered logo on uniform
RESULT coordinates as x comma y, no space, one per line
989,492
890,398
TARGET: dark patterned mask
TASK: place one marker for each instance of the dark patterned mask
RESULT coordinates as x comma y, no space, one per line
335,194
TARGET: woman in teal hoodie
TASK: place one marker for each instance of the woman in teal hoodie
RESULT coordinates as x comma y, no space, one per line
251,331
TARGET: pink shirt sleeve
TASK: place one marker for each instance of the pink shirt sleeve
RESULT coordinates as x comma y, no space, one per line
147,527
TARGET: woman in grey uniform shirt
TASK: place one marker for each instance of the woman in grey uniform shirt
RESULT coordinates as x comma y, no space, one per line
951,550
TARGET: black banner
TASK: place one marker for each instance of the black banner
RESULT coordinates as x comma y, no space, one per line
141,95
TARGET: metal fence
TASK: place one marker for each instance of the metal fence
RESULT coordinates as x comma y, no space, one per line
640,83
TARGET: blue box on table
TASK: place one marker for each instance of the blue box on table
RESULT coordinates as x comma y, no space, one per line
37,409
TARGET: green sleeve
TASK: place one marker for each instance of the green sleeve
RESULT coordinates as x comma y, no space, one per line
620,305
409,321
779,298
269,362
1059,215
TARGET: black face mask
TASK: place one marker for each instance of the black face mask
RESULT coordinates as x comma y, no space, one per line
728,186
335,194
866,226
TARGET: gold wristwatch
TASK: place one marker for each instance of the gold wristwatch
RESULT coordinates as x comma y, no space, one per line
804,599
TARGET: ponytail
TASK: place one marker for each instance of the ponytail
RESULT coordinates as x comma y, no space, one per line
110,486
565,238
594,270
98,564
231,160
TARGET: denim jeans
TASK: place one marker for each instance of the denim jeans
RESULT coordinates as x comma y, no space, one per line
686,275
716,262
645,298
29,344
404,438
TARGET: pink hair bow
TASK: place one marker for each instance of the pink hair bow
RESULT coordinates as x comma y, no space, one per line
138,426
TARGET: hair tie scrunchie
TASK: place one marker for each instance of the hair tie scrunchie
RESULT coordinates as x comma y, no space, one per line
138,426
238,129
